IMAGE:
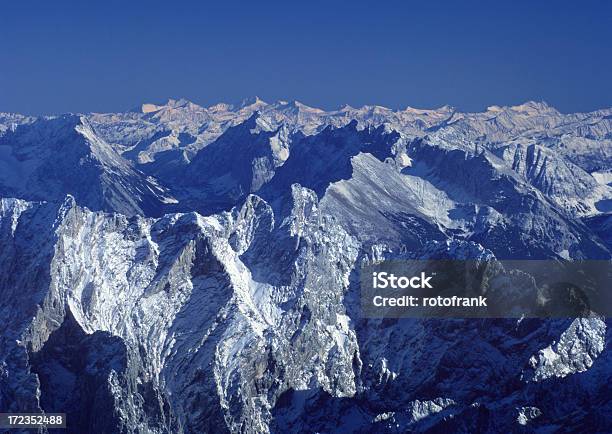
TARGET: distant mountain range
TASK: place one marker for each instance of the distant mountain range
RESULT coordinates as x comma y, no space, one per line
191,269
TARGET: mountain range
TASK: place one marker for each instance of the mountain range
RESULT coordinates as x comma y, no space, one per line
187,269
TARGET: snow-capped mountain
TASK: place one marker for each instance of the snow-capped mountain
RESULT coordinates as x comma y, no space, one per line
191,269
50,158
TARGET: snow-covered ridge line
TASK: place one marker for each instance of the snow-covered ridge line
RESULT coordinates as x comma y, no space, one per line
152,162
528,107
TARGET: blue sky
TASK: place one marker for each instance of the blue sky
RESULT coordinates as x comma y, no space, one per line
70,56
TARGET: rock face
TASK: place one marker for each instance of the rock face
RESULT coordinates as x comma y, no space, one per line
182,269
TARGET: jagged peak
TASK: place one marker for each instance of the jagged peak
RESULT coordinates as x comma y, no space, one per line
534,107
171,104
73,131
220,107
297,106
253,101
528,107
376,109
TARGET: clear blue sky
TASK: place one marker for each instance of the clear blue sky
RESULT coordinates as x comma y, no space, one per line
61,56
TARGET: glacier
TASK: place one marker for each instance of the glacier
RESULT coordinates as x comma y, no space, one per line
187,269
